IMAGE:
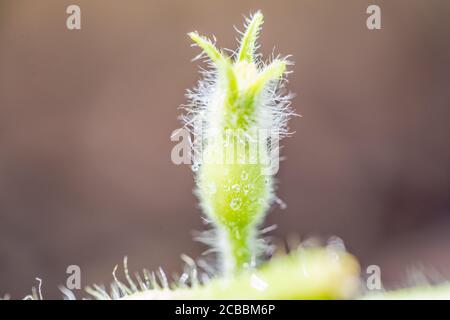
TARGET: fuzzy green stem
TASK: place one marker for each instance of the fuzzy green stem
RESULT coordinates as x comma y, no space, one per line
234,190
237,251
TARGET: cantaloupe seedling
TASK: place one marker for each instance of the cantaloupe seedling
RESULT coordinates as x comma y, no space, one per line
238,113
239,108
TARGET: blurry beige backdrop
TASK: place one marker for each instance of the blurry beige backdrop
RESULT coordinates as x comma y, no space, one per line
86,117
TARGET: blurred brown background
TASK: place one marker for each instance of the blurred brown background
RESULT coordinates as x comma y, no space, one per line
86,116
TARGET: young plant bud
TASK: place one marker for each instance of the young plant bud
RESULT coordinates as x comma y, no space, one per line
239,115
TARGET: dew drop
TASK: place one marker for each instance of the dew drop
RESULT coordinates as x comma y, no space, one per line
236,188
244,175
195,167
235,203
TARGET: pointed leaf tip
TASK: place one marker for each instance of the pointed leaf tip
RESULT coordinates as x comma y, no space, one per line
273,71
248,41
207,46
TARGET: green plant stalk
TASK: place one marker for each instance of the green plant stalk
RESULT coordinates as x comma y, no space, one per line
233,188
